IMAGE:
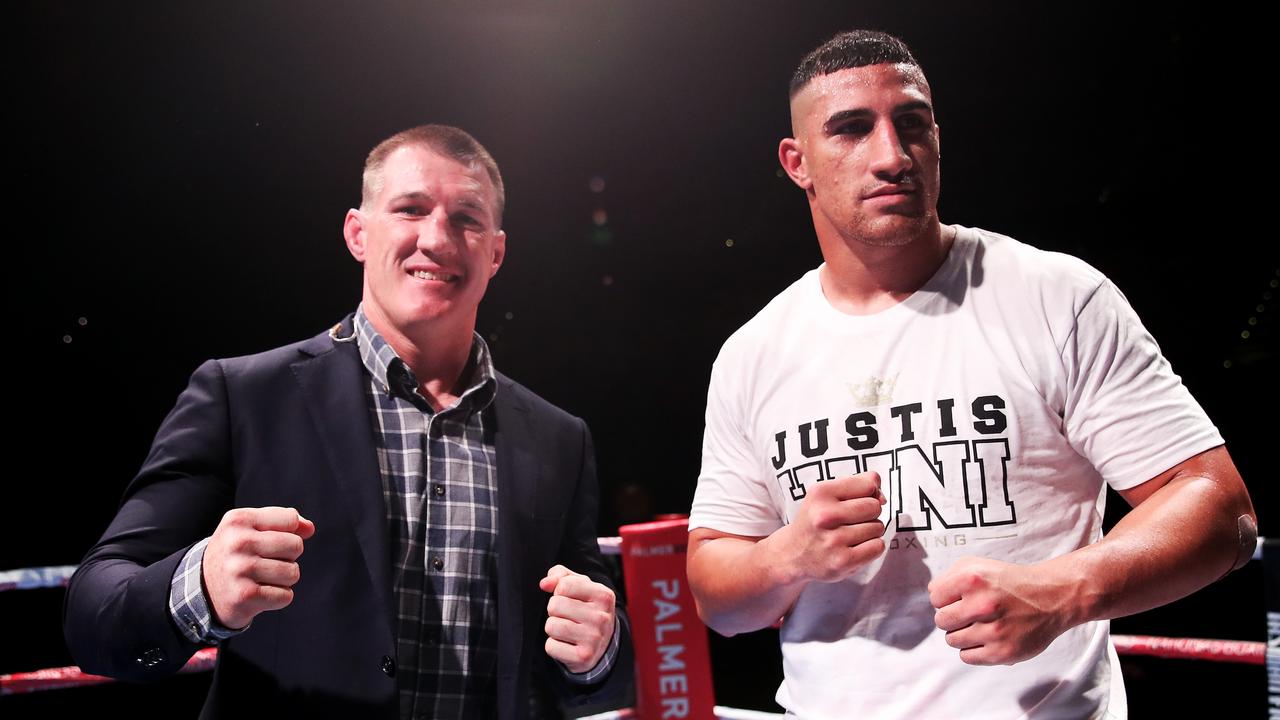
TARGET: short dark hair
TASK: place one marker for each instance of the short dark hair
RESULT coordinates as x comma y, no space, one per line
855,48
449,141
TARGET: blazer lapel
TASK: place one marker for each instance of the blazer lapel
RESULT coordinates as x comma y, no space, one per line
517,486
339,409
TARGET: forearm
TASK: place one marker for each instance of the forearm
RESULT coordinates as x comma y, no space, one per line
1182,537
116,619
740,584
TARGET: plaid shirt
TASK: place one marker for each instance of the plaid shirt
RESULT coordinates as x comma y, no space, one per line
439,484
439,480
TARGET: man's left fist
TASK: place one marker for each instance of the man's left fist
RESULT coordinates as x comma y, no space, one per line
580,618
999,613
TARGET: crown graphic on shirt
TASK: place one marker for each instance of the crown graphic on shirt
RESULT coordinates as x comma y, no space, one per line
873,390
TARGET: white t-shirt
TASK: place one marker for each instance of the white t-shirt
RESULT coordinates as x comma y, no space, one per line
994,402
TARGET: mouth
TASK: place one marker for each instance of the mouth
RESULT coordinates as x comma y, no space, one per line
433,275
891,191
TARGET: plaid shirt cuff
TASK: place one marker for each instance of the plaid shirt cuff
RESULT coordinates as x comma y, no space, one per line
603,666
188,604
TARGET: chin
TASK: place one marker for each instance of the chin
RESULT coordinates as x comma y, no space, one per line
895,233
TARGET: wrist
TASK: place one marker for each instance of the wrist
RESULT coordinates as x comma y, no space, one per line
782,569
1075,590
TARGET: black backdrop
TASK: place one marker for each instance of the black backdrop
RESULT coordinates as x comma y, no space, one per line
179,176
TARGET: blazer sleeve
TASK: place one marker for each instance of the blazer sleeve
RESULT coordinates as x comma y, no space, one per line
580,552
116,614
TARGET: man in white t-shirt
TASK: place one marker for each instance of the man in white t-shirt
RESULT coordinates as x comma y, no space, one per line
907,451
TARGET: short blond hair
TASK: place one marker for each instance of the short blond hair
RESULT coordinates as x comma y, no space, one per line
451,142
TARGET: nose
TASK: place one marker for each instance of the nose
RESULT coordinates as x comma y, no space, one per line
889,157
434,232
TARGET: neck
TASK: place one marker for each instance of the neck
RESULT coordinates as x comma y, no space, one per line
861,279
436,351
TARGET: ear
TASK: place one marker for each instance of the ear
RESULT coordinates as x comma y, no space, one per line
792,158
353,233
499,251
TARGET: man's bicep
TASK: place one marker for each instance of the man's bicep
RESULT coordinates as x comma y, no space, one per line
1214,465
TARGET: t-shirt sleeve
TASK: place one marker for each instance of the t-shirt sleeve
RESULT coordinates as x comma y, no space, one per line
732,494
1126,411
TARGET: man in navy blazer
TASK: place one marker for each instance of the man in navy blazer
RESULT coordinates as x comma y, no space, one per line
372,522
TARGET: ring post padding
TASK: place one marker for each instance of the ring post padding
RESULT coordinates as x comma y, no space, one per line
1271,576
673,665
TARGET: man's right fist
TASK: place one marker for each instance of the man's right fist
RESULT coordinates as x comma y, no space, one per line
250,564
837,528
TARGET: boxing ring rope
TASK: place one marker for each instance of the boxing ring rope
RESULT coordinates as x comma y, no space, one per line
60,575
662,553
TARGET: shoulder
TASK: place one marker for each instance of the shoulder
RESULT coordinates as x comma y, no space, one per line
1048,279
764,327
522,398
269,364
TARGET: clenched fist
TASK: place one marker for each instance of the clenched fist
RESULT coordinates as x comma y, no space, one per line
580,618
999,613
837,529
250,564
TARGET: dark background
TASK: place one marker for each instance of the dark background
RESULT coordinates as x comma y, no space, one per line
179,175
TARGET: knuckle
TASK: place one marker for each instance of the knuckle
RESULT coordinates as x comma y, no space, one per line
244,593
240,543
822,517
238,517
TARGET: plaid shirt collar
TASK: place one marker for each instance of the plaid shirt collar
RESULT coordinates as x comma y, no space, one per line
394,377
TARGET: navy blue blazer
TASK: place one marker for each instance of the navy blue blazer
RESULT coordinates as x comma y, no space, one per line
291,427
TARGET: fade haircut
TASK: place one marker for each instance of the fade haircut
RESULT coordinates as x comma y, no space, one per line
451,142
852,49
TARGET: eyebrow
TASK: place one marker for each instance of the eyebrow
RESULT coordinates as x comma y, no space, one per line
839,117
418,195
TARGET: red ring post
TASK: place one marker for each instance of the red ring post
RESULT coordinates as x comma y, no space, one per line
673,665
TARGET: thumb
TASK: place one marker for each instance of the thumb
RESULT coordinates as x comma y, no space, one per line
548,583
305,528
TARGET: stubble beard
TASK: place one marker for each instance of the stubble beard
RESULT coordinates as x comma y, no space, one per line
893,231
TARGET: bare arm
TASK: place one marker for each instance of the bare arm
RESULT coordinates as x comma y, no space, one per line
745,583
1190,525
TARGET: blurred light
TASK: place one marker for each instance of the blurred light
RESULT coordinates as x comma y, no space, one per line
1275,283
1226,363
493,337
83,321
600,217
607,280
779,172
1266,295
728,242
66,339
1261,307
510,315
1253,321
1245,334
596,184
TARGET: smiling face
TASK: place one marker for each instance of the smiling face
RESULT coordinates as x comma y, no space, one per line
429,242
866,152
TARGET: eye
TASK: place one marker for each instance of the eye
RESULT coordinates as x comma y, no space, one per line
468,220
912,122
853,127
411,210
